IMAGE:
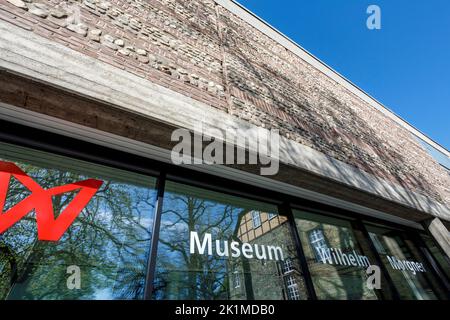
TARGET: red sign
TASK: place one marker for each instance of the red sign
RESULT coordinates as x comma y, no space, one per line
49,228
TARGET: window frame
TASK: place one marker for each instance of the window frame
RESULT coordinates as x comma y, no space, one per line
256,219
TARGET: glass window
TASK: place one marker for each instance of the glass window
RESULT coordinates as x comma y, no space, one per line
291,281
256,218
104,224
438,255
409,272
236,277
292,288
293,293
271,216
336,263
207,238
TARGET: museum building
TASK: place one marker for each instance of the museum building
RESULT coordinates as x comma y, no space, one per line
93,207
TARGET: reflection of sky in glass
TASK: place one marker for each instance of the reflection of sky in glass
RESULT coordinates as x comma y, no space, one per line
395,246
181,275
334,281
103,294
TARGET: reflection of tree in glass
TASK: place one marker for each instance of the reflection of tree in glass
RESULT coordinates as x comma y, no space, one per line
181,275
353,279
113,230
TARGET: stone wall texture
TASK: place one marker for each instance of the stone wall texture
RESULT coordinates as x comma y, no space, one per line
200,49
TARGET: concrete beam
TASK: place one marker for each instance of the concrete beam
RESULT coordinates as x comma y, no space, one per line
27,54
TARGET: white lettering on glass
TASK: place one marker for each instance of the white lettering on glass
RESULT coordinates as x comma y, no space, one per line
412,266
249,251
336,256
74,280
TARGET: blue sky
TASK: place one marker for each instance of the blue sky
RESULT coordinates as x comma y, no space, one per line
405,65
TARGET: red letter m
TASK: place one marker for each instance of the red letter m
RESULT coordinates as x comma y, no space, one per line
49,228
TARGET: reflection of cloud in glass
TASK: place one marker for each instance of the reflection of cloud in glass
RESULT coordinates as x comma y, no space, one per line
169,226
103,294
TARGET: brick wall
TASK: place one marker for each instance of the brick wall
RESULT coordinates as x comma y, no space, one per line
200,49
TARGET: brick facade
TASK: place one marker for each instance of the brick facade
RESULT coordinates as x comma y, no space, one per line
203,51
